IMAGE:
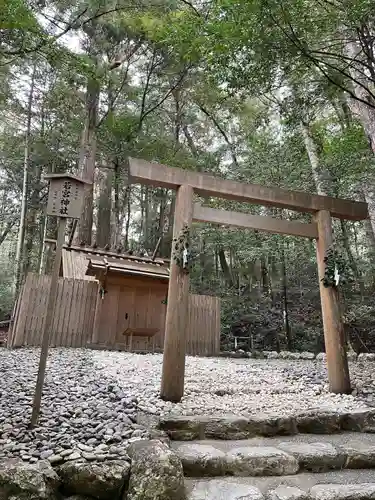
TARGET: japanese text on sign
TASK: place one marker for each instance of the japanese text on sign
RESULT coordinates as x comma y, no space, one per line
65,198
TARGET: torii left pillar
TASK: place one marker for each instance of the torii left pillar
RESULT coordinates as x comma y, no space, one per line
177,317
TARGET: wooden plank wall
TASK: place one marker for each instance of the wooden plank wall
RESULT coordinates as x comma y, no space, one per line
132,302
74,315
203,336
73,318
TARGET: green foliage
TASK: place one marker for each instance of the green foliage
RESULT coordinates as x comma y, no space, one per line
220,88
16,15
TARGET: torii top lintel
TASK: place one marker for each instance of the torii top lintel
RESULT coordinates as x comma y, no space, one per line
159,175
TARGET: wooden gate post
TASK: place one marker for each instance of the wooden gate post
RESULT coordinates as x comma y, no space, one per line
334,337
177,317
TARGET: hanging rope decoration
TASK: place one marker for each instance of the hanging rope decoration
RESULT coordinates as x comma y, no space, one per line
102,291
103,282
336,271
181,249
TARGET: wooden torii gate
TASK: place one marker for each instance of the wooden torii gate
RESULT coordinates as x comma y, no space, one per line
323,208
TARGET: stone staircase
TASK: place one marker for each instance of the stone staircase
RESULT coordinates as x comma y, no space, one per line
315,455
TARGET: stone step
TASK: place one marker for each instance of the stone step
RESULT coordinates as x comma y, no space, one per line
278,456
189,428
335,485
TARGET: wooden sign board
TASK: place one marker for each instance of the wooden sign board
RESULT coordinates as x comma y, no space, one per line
65,196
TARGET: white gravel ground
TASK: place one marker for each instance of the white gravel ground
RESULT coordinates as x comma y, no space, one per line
91,398
238,386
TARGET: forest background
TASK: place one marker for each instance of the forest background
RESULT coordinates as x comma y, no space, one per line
280,94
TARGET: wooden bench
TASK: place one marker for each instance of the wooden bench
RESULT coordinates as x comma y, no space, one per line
148,333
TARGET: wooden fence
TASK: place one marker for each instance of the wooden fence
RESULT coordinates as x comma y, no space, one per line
74,316
203,336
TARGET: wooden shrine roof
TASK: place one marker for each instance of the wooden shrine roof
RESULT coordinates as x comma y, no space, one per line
139,267
85,263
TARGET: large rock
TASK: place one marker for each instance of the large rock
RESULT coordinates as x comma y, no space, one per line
78,497
362,420
307,355
159,435
199,460
287,493
226,428
104,480
364,357
315,457
343,492
292,355
285,354
273,355
27,481
224,490
359,456
321,357
269,425
318,422
352,356
182,428
260,461
156,472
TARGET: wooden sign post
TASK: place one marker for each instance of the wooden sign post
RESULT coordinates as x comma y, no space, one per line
65,198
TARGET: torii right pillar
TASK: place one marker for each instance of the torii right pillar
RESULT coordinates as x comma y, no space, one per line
334,336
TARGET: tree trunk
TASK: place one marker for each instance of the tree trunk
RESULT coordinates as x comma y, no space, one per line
366,115
202,258
361,86
21,230
163,222
231,147
42,255
7,229
225,267
147,220
288,332
32,222
103,235
264,275
370,238
87,160
117,209
322,177
128,210
349,253
168,237
368,188
190,141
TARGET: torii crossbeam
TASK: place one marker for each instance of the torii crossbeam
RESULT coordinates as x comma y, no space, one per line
186,183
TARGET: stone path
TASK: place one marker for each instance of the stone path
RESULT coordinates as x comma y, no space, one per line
353,485
231,427
277,456
278,463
